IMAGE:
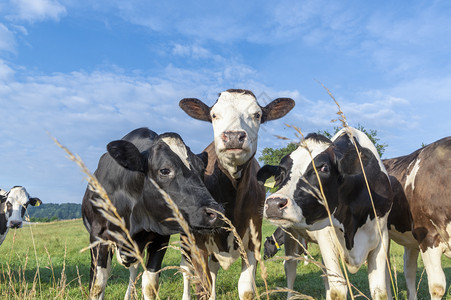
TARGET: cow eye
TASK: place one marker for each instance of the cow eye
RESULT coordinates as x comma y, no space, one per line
165,172
9,206
324,169
257,116
213,116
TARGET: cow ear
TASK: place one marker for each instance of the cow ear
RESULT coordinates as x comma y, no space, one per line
127,155
266,172
348,162
35,201
3,198
204,157
195,109
277,109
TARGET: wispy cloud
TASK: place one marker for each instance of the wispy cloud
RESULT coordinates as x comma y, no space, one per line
36,10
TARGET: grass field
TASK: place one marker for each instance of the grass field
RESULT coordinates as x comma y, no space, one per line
63,271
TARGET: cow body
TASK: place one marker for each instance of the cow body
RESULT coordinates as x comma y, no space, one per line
299,207
231,179
420,219
126,172
13,205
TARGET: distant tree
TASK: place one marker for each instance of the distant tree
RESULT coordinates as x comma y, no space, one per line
52,211
271,156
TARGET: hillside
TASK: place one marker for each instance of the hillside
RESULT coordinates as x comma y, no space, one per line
52,211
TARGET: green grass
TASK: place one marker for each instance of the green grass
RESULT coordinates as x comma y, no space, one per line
58,247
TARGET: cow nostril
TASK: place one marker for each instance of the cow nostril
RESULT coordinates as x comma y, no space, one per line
242,137
282,203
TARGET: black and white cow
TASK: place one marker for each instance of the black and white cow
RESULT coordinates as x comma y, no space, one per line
13,205
420,219
231,178
299,207
125,173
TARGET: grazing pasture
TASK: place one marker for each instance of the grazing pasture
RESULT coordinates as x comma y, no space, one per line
63,271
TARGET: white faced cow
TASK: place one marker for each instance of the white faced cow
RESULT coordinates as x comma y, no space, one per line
420,219
12,208
125,172
299,207
231,177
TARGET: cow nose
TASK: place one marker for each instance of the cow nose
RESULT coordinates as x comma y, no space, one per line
234,139
15,224
212,218
274,207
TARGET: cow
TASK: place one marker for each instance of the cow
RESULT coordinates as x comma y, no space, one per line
420,219
230,177
13,205
274,242
128,172
299,207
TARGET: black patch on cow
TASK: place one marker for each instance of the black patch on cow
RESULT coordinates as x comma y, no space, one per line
240,91
3,223
344,187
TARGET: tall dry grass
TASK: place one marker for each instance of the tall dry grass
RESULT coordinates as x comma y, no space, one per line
187,246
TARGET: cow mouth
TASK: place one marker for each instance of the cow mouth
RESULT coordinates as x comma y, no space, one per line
205,229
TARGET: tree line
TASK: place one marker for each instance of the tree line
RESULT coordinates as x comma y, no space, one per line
47,212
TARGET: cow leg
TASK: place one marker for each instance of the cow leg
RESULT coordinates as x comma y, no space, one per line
292,248
410,271
100,270
432,259
214,266
247,277
377,269
155,254
132,282
336,284
186,278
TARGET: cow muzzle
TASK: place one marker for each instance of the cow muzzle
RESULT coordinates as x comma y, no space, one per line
274,207
233,139
15,224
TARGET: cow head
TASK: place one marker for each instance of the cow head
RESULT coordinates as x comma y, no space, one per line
236,117
15,203
299,202
178,172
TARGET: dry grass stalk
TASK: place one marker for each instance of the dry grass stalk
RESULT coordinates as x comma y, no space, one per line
188,241
343,120
258,256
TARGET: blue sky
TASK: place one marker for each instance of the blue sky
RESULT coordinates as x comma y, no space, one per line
89,71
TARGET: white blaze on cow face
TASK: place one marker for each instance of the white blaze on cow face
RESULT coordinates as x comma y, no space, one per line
179,148
239,113
301,159
16,202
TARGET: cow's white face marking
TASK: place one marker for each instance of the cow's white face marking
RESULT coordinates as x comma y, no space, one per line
302,158
17,199
410,180
235,112
178,148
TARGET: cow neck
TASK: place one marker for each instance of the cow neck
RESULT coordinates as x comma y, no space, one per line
241,169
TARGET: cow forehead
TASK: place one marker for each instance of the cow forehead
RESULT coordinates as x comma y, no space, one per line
363,140
305,153
236,103
179,148
18,196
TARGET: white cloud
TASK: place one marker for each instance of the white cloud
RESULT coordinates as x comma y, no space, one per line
37,10
7,39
